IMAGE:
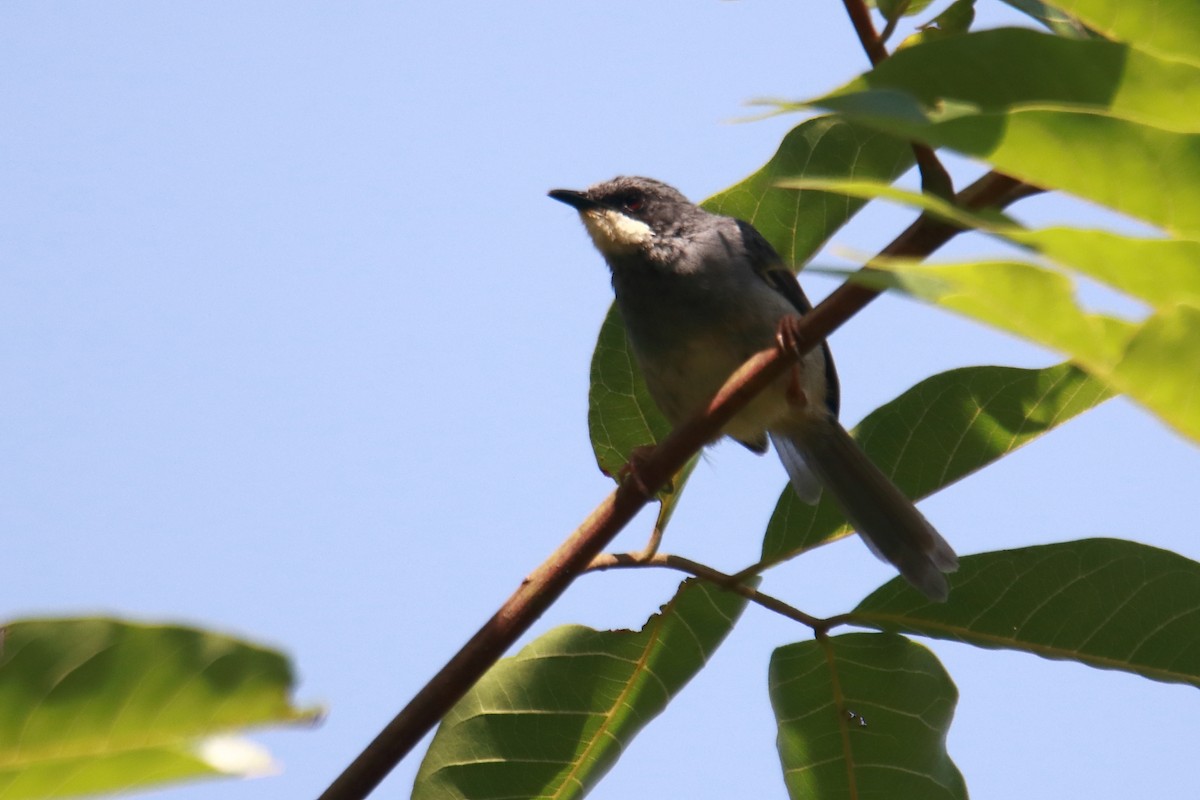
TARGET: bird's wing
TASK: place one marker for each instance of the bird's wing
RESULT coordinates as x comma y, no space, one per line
769,266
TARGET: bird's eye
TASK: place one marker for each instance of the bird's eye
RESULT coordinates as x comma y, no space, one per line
633,201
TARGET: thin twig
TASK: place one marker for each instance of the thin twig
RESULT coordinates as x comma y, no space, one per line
656,533
713,576
888,30
860,17
545,584
935,179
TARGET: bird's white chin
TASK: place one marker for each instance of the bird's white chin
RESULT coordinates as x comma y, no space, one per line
615,233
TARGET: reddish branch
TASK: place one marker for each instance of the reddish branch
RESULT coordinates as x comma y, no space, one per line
860,16
935,179
545,584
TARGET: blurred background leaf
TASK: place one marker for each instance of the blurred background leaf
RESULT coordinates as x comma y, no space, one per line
100,705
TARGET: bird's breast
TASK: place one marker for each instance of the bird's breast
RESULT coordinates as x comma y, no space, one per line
688,343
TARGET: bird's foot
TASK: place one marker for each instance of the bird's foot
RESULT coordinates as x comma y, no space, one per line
790,340
634,467
795,387
789,336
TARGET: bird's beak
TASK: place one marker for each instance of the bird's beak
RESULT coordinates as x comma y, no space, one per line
576,200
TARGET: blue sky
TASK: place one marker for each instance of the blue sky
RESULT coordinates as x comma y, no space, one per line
297,347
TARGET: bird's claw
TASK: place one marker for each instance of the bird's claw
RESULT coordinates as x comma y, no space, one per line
633,468
790,340
789,336
795,387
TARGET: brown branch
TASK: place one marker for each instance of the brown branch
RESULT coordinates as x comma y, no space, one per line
860,16
935,179
888,30
545,584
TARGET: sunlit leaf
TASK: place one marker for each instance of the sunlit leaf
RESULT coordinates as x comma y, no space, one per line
1115,125
797,224
864,715
940,430
1007,68
1167,27
621,414
954,20
550,721
99,705
1160,271
1053,18
1107,603
1161,367
894,9
1150,361
1031,301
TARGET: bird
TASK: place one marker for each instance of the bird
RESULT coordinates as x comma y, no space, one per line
699,293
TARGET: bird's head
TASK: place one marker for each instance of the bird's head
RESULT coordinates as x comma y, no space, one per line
627,216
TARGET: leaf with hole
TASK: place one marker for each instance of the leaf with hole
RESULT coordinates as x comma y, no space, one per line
864,715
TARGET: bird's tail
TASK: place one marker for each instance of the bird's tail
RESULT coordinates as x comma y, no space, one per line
886,519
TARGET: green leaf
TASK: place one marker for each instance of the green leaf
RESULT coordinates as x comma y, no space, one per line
621,415
1162,272
1170,28
1161,367
797,224
1114,125
955,20
1053,18
1159,271
1142,360
940,430
100,705
1106,603
895,9
550,721
864,715
1011,68
1031,301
